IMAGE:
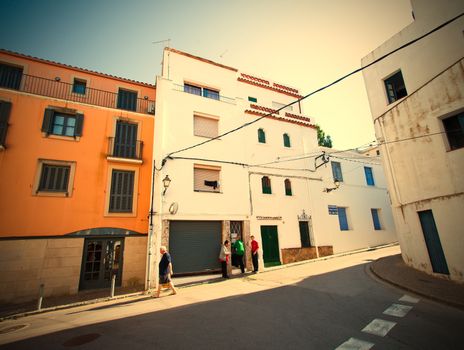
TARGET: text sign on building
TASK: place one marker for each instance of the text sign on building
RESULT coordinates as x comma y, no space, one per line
333,210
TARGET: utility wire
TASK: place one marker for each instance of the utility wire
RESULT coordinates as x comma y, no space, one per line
320,89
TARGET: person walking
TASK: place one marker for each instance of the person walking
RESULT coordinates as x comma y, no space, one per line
224,256
239,252
254,253
165,272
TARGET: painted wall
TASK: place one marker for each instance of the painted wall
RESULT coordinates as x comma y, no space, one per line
422,172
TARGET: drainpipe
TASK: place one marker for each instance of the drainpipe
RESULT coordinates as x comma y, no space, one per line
150,231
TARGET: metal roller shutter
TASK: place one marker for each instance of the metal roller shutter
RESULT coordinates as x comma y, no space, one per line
194,245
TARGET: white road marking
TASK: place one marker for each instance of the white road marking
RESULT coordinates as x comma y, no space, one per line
397,310
409,299
379,327
355,344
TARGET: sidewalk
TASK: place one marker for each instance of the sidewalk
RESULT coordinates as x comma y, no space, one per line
390,269
393,270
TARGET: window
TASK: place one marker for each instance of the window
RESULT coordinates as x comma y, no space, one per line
209,93
286,140
369,176
376,219
395,87
56,122
192,89
261,136
277,105
10,76
125,140
288,187
454,128
201,91
127,100
5,108
54,178
206,178
337,171
252,99
205,127
342,219
79,86
122,191
266,185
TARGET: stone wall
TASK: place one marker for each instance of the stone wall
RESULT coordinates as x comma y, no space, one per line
25,264
291,255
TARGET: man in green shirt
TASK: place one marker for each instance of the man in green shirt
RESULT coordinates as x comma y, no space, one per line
239,252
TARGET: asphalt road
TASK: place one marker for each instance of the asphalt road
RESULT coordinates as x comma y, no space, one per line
329,304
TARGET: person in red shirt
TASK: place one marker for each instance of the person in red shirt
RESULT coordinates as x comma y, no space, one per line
254,253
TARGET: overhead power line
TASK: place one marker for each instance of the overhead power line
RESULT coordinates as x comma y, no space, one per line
321,88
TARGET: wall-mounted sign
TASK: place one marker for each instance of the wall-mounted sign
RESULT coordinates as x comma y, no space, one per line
269,218
333,210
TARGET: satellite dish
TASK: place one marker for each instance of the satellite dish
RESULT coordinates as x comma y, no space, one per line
173,208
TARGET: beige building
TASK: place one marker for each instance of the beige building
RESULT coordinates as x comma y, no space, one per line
416,98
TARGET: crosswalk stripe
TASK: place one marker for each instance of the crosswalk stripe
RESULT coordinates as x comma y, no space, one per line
355,344
379,327
397,310
409,299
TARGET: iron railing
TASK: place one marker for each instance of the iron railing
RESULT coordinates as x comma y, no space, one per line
57,89
121,149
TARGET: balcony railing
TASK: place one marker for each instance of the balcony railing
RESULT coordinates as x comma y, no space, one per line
127,150
203,92
57,89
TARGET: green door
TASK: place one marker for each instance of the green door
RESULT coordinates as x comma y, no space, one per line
270,241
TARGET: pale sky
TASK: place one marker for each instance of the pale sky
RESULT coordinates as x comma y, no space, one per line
302,43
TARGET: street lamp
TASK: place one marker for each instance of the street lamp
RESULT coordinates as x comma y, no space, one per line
166,183
337,185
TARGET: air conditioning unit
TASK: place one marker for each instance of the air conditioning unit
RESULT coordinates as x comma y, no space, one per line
151,108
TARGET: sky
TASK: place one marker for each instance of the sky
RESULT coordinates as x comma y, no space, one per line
301,43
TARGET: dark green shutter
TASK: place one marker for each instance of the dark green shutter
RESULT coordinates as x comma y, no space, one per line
47,121
79,124
5,108
261,136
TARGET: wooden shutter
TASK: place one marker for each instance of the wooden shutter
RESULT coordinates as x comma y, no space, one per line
47,120
206,127
79,124
206,179
5,108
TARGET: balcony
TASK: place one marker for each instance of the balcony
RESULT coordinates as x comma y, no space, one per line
121,151
57,89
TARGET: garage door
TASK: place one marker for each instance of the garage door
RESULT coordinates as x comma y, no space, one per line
194,245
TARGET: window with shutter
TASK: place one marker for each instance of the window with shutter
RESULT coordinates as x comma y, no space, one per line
286,140
288,187
376,219
369,176
337,171
343,219
205,127
5,108
127,100
206,179
266,185
54,178
79,86
58,123
10,76
261,136
125,140
122,191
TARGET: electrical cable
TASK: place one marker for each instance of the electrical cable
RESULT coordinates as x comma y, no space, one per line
321,88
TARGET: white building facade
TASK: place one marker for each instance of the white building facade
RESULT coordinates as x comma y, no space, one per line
417,103
259,180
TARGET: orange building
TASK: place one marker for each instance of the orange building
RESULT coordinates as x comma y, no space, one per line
75,178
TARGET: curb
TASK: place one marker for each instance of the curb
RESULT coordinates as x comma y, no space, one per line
415,291
193,284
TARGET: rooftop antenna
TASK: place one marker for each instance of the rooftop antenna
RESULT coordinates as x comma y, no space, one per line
168,41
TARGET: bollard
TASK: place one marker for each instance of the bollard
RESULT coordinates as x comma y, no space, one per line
41,293
113,284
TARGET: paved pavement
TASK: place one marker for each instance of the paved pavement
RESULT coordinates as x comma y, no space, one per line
390,269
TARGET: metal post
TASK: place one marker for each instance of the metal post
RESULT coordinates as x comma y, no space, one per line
113,284
41,293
